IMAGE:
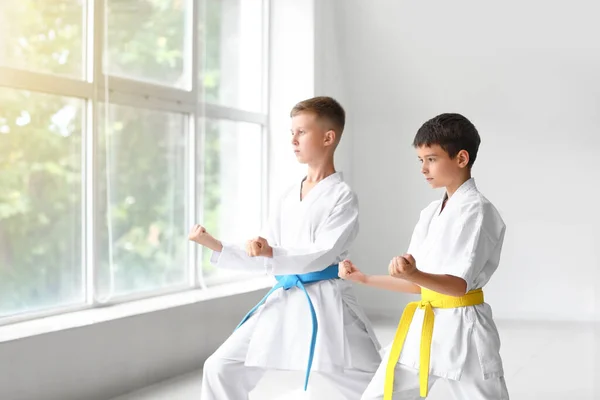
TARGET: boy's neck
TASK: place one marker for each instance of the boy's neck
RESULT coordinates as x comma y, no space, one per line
320,171
452,188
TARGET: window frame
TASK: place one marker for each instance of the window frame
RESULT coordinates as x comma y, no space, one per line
94,88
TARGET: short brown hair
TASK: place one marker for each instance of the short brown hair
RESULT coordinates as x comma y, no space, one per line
452,132
324,108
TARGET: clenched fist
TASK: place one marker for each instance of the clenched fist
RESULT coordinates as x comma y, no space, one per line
347,270
403,266
199,235
259,247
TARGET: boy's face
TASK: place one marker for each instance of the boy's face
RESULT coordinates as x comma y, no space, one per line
439,169
310,140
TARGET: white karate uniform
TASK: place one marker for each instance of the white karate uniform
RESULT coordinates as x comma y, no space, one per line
306,235
463,240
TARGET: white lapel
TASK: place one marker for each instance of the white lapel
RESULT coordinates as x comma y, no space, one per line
320,188
437,220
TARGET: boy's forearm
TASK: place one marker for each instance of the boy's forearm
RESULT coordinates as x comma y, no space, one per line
216,246
444,284
390,283
213,244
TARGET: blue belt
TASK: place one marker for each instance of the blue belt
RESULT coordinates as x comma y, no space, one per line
289,281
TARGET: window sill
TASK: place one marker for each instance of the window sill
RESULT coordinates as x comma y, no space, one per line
92,316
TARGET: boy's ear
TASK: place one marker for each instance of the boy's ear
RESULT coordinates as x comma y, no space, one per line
463,158
330,137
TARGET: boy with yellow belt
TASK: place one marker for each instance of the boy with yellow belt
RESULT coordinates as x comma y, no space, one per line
455,249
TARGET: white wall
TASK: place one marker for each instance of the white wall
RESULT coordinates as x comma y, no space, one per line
527,75
104,360
292,80
329,75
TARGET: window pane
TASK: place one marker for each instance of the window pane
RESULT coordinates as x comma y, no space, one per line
231,72
42,36
232,186
150,41
142,230
40,201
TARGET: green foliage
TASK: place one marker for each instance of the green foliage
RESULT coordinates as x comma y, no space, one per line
141,229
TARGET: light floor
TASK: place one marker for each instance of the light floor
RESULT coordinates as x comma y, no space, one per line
546,361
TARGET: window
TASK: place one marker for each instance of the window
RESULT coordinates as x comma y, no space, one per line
141,185
40,201
150,41
43,36
123,123
234,54
233,186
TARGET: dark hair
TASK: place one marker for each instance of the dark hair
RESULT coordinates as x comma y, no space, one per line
452,132
324,108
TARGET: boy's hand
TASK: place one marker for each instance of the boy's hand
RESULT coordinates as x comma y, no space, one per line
403,266
347,270
199,235
259,247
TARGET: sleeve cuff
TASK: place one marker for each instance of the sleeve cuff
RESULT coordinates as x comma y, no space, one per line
214,258
269,262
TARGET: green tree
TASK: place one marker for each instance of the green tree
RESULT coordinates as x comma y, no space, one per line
140,155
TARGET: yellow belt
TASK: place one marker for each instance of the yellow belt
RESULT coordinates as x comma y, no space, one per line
429,301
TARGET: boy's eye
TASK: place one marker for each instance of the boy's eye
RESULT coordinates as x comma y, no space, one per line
431,159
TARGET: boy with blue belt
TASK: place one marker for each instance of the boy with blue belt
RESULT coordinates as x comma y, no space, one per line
310,321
